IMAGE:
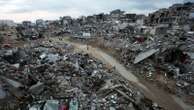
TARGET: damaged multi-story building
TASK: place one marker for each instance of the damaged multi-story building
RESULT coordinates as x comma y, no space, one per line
178,15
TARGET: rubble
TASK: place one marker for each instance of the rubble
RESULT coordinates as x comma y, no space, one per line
144,55
78,82
11,82
37,88
159,45
154,46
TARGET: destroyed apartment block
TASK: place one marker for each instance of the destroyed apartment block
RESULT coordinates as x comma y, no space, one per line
49,74
30,33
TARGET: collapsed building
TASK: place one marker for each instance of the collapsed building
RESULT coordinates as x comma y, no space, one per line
102,24
158,45
176,15
46,77
31,31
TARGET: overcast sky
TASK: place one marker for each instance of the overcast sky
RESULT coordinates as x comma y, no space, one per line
19,10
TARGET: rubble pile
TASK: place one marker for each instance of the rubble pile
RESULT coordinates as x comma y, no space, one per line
167,55
175,14
158,46
46,77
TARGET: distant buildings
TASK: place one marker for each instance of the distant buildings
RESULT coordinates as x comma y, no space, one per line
176,14
41,23
9,23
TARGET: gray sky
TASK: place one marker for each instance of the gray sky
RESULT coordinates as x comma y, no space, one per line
19,10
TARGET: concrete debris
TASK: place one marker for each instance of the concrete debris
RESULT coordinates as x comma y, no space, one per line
11,82
157,46
2,93
37,88
79,82
45,105
144,55
43,75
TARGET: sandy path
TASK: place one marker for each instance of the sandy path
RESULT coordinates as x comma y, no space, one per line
159,96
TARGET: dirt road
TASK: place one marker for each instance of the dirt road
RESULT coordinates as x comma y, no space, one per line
107,59
159,96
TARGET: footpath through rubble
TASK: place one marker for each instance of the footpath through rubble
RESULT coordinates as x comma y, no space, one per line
47,77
